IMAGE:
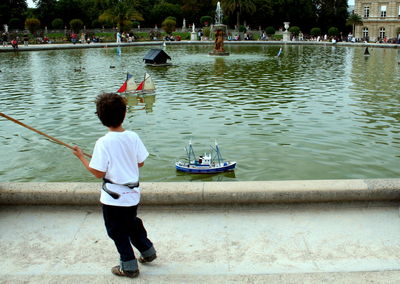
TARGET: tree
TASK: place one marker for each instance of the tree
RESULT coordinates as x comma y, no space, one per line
238,6
192,10
169,25
12,9
163,10
121,11
15,23
354,20
45,11
270,30
263,14
315,32
294,30
57,24
333,31
32,24
205,20
76,25
331,13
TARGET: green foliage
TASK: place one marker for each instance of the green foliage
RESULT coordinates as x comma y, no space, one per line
164,10
119,12
15,23
96,24
127,26
76,25
331,13
135,24
32,24
354,19
169,25
205,21
294,30
11,9
57,24
239,7
193,10
315,32
333,31
242,29
207,31
46,11
270,30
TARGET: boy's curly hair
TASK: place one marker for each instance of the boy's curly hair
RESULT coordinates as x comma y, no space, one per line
111,109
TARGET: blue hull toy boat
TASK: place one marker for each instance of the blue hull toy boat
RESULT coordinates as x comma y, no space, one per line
209,163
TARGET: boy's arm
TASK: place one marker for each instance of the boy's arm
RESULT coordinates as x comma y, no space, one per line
79,154
140,164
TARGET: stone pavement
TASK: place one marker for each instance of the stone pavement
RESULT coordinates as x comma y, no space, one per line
352,242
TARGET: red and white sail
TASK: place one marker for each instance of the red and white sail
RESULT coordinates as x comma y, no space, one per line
147,84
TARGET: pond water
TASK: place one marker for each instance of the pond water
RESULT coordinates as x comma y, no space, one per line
316,112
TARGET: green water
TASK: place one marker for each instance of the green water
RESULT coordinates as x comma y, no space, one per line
316,112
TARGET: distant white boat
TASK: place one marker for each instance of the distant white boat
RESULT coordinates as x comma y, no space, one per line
130,85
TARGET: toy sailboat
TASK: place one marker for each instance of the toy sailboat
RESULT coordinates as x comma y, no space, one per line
130,86
208,163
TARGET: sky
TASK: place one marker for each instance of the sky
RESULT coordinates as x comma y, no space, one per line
31,5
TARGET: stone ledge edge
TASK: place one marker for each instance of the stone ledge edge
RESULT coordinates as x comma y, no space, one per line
208,193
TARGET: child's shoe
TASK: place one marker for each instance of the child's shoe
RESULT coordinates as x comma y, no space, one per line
147,258
116,270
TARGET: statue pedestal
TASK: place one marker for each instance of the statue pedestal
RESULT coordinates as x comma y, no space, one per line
193,36
286,36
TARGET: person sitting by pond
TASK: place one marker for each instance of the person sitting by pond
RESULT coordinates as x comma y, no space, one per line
14,43
26,39
4,38
74,38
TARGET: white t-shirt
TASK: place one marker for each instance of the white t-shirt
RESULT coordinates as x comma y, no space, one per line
118,154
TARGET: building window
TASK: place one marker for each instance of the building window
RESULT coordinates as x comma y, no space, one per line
366,11
383,11
382,33
399,11
365,33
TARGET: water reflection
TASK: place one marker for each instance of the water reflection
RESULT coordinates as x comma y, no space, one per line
141,102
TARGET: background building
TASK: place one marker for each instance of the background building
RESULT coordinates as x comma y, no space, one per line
381,19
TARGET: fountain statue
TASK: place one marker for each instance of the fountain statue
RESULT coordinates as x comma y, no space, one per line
193,34
286,33
219,30
184,25
218,14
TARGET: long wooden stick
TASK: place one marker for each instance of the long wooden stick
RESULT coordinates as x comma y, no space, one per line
40,132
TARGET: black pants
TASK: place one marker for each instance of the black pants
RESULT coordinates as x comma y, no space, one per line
124,228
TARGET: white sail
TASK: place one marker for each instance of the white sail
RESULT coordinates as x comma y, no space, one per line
131,85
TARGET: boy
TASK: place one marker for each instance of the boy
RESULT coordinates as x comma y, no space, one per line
117,157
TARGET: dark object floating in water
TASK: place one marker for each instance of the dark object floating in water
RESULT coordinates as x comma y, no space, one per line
156,57
112,66
366,51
